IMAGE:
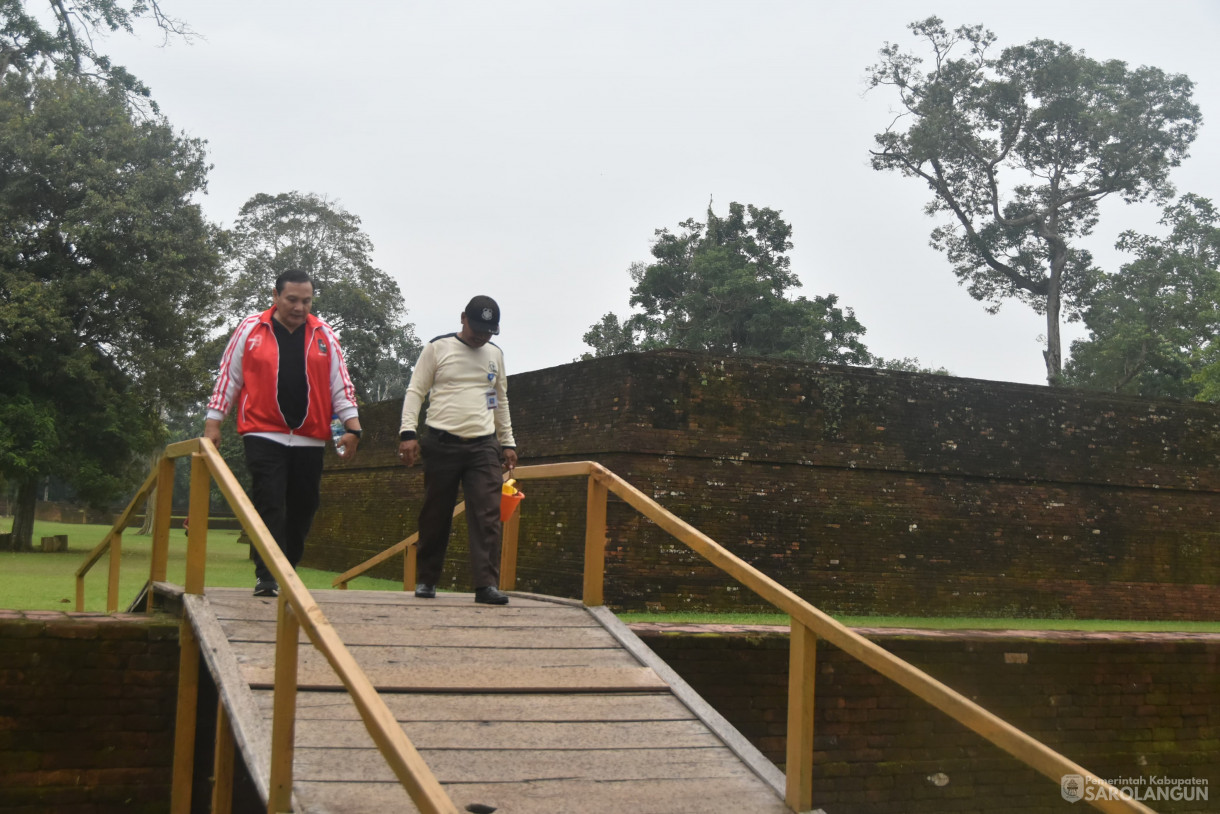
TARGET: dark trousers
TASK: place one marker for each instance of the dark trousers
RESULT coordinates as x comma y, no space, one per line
475,465
284,486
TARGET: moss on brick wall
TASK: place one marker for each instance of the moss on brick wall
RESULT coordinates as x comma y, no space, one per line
1142,705
865,491
87,712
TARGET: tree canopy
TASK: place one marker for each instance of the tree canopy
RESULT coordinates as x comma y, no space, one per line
57,37
1018,148
108,283
720,286
1153,325
274,233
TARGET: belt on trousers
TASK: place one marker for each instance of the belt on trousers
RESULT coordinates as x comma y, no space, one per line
449,437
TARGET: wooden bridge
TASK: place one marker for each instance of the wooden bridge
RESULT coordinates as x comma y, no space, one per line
539,706
355,701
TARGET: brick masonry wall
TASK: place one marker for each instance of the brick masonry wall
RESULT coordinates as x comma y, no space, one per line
865,491
86,712
1121,705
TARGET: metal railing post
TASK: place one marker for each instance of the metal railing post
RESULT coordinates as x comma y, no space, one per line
802,671
184,727
164,507
222,771
508,551
595,543
104,547
284,708
112,575
409,567
197,531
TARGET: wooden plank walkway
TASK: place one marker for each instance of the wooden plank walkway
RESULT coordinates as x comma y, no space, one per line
539,706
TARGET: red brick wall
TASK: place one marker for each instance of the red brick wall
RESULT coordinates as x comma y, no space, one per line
86,712
865,491
1121,705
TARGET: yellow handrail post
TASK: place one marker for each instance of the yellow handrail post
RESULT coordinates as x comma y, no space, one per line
164,508
222,772
139,499
197,531
595,542
802,671
409,567
112,575
184,727
508,551
284,708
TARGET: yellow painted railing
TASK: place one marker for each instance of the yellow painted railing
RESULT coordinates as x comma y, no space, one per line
807,624
112,545
296,610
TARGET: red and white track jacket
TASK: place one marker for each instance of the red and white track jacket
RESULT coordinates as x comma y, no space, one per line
249,378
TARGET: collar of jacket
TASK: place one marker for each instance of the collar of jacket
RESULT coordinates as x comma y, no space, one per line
311,321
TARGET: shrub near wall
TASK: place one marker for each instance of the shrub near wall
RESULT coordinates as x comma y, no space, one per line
865,491
86,712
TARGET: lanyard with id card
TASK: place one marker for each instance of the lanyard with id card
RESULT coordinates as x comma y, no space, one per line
492,401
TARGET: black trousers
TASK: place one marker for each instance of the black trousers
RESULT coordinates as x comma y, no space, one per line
284,487
475,465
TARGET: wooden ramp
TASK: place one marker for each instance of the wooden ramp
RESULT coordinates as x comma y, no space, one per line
539,706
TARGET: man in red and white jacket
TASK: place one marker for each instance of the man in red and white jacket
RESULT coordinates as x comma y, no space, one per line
284,371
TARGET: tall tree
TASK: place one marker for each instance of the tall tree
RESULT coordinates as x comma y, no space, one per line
721,286
1151,324
108,280
27,45
275,233
1019,148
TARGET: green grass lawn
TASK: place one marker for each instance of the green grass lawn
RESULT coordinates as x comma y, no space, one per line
37,581
933,623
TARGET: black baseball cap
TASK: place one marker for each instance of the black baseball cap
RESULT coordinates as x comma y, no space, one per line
483,315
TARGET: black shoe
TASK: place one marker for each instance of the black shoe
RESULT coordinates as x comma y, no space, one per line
266,587
424,591
490,595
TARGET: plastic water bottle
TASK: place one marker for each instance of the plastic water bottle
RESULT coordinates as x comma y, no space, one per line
337,430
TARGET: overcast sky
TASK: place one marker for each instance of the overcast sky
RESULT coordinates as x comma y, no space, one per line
528,150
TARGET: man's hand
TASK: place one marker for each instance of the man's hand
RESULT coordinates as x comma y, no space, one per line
510,459
350,443
408,452
211,431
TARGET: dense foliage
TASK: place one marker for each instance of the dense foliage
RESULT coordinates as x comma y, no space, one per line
1153,325
108,283
1019,147
58,38
721,287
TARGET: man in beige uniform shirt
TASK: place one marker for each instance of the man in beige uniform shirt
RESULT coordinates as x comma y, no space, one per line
468,440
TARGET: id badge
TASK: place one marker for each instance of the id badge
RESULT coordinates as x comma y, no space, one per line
491,400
